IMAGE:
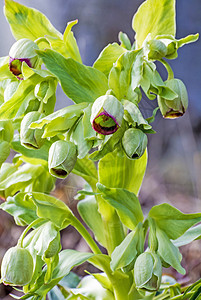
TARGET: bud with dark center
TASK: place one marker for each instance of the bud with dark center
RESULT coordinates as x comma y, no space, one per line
106,114
22,51
134,143
62,158
175,108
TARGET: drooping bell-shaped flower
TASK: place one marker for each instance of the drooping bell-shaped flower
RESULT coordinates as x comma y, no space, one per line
31,138
17,267
106,114
62,158
175,108
22,51
148,271
134,143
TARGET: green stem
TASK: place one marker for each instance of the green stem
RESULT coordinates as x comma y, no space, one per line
113,229
85,234
168,68
41,40
34,223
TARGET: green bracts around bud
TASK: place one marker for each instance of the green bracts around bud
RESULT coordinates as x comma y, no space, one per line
156,49
17,267
175,108
62,158
106,114
22,51
31,138
148,271
134,143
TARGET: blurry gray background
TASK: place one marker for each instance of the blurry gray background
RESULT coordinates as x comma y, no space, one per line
174,168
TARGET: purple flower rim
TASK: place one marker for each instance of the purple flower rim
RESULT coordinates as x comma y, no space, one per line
105,130
18,72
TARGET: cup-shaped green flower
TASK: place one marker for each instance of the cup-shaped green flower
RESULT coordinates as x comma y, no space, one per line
17,267
175,108
106,114
31,138
134,143
148,271
156,49
22,51
62,158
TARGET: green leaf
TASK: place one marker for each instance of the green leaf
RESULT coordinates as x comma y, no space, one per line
160,19
126,204
80,83
169,253
21,207
126,252
190,235
70,42
188,39
28,22
59,121
109,144
108,57
53,209
77,137
92,219
173,222
121,172
126,74
24,92
39,154
133,115
20,179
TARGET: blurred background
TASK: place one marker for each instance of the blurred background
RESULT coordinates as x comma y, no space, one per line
174,167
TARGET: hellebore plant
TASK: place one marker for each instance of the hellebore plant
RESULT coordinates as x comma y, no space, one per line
104,125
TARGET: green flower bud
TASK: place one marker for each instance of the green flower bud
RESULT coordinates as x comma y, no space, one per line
31,138
17,267
148,271
134,142
6,131
175,108
4,151
62,158
53,247
156,49
106,114
22,51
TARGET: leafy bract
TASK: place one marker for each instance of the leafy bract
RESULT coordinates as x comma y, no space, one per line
53,209
154,17
28,22
126,74
169,253
190,235
173,222
121,172
108,57
21,207
126,204
126,252
59,121
80,83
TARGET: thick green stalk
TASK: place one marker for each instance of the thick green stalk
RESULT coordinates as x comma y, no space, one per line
85,234
113,229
